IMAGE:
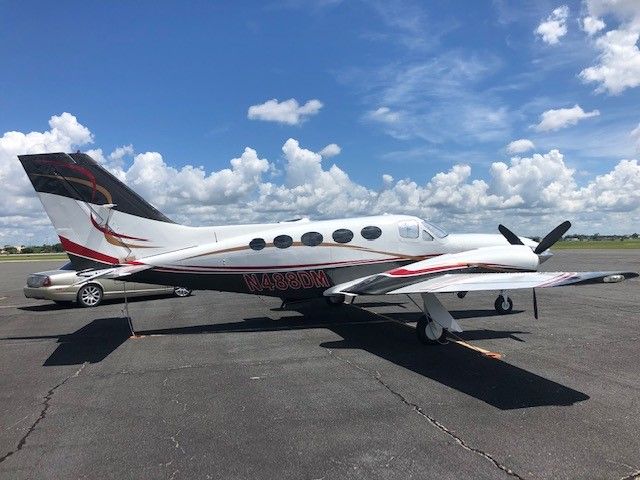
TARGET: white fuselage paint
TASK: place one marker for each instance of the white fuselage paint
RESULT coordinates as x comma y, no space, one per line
225,249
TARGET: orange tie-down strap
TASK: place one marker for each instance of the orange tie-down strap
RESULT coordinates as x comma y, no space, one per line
487,353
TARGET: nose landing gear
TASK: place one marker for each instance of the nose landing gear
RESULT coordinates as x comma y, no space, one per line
503,304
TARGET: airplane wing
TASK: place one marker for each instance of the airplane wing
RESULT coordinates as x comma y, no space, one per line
463,282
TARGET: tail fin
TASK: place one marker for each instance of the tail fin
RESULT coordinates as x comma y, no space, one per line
98,218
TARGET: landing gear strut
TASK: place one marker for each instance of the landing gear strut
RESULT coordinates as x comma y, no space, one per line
503,304
433,326
430,332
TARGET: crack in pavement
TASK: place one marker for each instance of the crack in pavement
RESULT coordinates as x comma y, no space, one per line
635,475
433,421
43,413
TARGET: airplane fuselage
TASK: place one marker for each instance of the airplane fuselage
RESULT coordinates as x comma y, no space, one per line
301,259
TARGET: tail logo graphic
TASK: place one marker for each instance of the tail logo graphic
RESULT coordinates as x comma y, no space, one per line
90,181
116,238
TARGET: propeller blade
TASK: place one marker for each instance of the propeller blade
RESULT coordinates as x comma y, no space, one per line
552,237
535,304
511,237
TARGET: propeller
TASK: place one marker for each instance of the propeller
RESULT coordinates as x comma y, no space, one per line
547,242
552,237
511,237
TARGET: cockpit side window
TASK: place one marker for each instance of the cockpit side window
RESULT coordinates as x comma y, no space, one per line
409,229
434,230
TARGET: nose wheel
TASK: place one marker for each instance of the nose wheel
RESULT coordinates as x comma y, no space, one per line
503,304
430,332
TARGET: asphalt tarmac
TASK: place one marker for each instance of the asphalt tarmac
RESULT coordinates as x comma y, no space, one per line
228,386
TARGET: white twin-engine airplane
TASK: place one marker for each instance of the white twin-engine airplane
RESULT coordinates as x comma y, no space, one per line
110,231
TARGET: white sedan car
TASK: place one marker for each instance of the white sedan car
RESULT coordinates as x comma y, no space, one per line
61,286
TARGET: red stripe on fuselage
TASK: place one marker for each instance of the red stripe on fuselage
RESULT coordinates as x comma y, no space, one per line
83,251
404,272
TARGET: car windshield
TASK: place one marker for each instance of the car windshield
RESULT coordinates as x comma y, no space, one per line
434,229
66,266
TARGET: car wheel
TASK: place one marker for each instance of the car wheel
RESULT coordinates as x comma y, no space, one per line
181,292
90,295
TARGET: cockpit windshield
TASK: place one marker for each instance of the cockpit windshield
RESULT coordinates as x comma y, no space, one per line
434,229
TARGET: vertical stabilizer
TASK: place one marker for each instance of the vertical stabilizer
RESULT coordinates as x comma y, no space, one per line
99,219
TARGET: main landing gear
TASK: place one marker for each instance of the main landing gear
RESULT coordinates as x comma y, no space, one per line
430,332
435,323
503,304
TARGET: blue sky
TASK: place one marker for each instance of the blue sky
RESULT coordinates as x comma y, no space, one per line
408,89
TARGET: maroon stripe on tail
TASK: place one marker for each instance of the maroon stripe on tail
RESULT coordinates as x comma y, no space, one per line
83,251
107,231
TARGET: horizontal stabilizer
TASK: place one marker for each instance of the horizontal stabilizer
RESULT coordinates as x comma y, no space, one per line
115,273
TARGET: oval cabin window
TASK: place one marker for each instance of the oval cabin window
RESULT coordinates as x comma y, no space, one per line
283,241
342,235
257,244
311,239
371,232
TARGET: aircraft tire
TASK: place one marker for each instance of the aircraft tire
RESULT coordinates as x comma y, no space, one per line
500,307
429,332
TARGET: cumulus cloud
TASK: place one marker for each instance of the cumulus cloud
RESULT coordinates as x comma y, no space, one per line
618,64
555,119
520,146
528,193
592,25
287,111
114,162
330,150
627,11
21,214
554,27
150,176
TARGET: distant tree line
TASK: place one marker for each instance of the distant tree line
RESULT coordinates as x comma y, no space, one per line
596,237
46,248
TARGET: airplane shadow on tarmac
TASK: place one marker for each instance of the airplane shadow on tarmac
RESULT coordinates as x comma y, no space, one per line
495,382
